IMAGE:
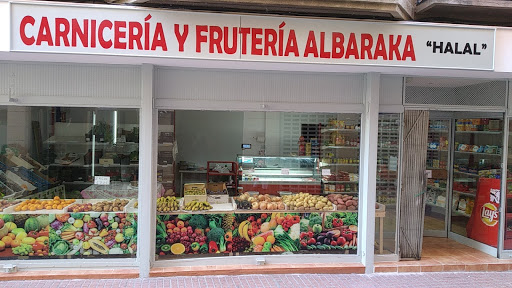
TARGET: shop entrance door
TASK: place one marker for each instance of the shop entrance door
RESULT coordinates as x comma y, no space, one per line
438,183
464,149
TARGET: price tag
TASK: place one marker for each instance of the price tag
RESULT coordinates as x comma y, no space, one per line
285,171
101,180
326,172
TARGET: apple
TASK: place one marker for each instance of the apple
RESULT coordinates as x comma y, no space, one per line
2,223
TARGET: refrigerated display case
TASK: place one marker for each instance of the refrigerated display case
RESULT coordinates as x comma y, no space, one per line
270,175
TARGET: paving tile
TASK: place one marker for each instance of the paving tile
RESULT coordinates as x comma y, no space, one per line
453,267
497,267
431,268
476,267
409,268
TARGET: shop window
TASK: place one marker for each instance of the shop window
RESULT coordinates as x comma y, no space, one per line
388,160
249,183
68,180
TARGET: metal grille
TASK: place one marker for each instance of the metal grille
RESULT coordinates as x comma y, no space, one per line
412,201
455,92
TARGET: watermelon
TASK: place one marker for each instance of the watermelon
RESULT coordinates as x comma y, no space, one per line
32,224
7,217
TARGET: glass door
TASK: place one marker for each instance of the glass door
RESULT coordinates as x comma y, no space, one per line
477,156
437,184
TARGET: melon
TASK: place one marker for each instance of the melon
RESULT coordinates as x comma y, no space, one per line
32,224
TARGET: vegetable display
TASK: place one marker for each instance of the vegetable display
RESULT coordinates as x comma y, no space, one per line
249,233
68,235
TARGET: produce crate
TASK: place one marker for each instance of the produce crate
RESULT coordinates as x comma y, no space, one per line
12,210
217,193
130,207
94,201
189,198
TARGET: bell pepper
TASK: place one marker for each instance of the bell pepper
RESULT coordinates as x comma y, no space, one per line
228,236
195,246
42,239
37,246
347,234
32,234
341,241
203,249
212,247
103,233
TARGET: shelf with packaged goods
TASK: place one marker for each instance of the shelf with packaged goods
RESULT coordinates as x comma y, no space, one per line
464,180
281,182
430,130
323,164
466,173
478,132
471,194
437,150
331,129
459,213
339,147
478,153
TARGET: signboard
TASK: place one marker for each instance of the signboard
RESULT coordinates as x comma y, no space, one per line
154,33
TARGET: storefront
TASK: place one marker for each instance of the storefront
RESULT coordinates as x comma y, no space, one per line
241,112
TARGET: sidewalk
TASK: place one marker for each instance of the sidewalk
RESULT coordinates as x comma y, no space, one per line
391,280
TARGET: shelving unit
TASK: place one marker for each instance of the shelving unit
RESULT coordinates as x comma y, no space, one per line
229,177
438,159
339,155
166,165
388,158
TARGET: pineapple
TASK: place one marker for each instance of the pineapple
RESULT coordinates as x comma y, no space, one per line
227,222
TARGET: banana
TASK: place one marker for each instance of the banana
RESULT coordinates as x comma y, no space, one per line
241,227
246,229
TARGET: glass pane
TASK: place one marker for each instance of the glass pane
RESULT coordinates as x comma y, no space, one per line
55,204
271,182
508,217
437,185
387,183
476,174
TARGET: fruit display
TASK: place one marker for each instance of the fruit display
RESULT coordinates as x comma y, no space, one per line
80,207
68,235
197,206
248,233
35,204
167,204
259,202
110,206
305,201
344,202
6,204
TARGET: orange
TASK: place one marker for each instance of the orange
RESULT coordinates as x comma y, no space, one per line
12,236
15,243
7,240
33,208
271,239
56,198
59,207
17,209
39,206
177,248
54,206
49,207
